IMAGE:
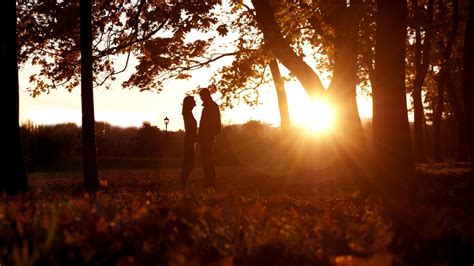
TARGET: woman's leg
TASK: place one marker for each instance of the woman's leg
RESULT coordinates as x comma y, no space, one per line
187,167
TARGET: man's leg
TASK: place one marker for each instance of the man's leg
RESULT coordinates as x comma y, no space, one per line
207,151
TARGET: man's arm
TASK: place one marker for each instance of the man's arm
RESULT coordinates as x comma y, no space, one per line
216,119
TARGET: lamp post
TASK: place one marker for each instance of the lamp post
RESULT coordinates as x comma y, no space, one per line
167,121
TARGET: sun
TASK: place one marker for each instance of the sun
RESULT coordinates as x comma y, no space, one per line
319,116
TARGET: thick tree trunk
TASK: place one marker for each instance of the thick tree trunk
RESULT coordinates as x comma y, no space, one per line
285,122
350,136
91,176
390,119
283,51
468,86
14,179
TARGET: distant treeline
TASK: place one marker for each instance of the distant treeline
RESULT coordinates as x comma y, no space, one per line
250,143
43,142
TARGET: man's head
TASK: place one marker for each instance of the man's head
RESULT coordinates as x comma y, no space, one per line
205,95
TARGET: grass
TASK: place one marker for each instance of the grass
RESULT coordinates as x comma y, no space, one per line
104,163
265,215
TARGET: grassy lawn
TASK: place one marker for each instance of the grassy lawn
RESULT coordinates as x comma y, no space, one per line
266,215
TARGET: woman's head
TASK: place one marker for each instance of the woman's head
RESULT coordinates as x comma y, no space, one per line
188,104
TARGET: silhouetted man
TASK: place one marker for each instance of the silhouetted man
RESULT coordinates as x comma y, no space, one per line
209,128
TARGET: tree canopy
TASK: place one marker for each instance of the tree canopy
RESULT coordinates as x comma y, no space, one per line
155,33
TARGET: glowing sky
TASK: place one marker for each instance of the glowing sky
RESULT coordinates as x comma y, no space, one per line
131,107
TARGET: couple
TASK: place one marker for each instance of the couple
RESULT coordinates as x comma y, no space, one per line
209,128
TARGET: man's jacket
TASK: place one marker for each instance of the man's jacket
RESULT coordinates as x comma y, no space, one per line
210,124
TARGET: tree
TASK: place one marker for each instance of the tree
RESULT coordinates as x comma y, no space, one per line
285,122
139,29
149,141
89,155
14,179
443,83
281,30
241,80
342,90
422,23
344,19
468,85
390,120
283,51
446,80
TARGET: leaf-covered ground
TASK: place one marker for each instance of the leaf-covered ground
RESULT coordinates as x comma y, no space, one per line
257,216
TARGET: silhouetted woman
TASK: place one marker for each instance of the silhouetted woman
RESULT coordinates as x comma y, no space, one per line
190,136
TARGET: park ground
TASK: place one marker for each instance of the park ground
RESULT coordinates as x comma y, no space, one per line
262,215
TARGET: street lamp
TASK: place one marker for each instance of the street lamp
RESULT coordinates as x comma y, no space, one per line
167,121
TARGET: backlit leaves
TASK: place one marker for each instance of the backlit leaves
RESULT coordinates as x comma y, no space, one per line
222,29
49,38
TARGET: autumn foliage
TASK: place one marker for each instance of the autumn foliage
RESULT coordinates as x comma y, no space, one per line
258,217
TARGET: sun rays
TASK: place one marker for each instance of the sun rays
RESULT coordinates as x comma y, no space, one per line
316,116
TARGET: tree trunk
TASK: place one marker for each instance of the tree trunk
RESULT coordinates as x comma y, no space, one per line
418,146
283,51
390,119
14,178
468,85
452,97
437,118
422,61
349,138
459,119
89,156
285,122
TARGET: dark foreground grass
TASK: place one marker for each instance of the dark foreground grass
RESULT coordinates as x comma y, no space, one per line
258,216
104,163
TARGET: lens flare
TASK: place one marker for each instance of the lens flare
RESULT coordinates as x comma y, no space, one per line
320,118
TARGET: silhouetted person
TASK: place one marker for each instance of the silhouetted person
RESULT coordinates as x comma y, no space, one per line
190,137
209,128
